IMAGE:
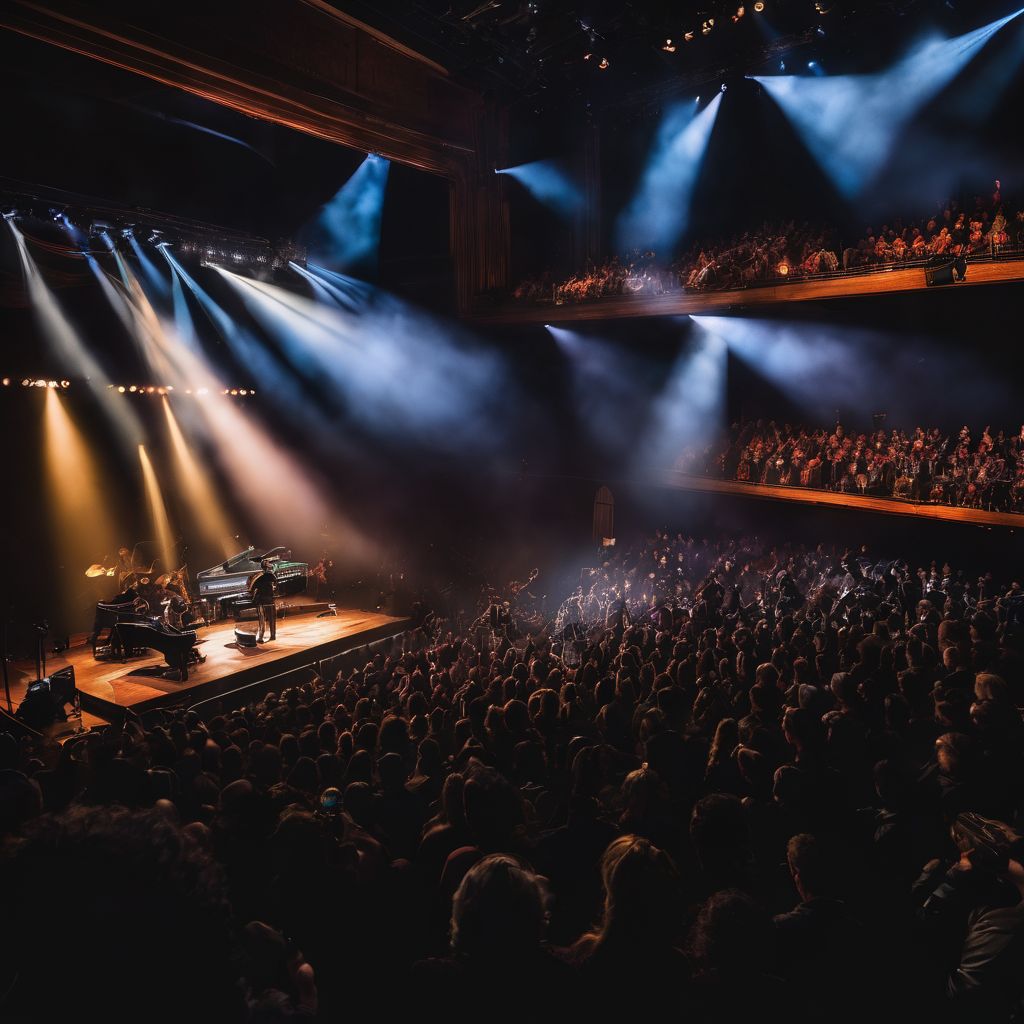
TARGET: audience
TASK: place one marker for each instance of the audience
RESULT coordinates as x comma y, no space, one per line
922,465
791,251
736,782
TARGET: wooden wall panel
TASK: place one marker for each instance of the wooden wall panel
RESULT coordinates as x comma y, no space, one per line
302,64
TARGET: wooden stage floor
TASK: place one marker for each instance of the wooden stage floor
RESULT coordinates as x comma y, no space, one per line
301,639
679,303
867,502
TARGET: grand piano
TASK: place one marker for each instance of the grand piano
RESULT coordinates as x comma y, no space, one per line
226,586
178,646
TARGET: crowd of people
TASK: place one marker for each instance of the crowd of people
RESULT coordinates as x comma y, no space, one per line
731,782
921,465
792,251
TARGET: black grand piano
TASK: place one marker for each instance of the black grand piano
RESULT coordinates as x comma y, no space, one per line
178,646
226,586
123,628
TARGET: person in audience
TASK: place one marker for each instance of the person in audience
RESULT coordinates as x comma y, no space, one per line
713,804
783,252
922,465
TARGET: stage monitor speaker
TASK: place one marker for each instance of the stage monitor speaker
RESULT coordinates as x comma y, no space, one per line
938,275
244,638
49,700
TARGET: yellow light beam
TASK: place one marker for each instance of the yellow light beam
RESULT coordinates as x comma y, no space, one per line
84,529
158,512
199,493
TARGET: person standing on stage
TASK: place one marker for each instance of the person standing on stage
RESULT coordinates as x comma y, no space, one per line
262,587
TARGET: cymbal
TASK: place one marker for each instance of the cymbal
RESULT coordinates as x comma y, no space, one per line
96,569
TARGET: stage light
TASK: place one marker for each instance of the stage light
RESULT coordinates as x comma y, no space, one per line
587,56
361,345
690,410
759,6
132,389
707,27
658,214
852,123
121,389
7,382
346,231
66,341
158,512
65,384
40,383
724,87
606,387
84,527
688,37
783,269
668,46
549,183
149,270
161,391
740,11
26,383
150,389
200,494
243,392
603,64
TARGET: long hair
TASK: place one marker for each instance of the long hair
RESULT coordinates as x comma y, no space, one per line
500,910
641,894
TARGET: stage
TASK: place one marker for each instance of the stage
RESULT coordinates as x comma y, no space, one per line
108,686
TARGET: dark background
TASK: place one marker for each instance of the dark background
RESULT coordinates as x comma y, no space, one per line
82,128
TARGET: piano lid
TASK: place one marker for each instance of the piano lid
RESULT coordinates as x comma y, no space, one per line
244,562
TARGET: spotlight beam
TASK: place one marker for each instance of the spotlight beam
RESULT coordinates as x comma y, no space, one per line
346,233
68,345
370,353
659,213
852,123
157,511
690,411
85,529
207,511
549,184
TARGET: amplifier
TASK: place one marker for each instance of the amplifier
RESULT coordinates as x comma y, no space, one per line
938,275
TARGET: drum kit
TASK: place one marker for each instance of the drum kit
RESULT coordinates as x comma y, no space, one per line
169,591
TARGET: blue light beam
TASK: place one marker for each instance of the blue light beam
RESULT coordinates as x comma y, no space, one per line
690,411
549,183
851,123
659,213
346,233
